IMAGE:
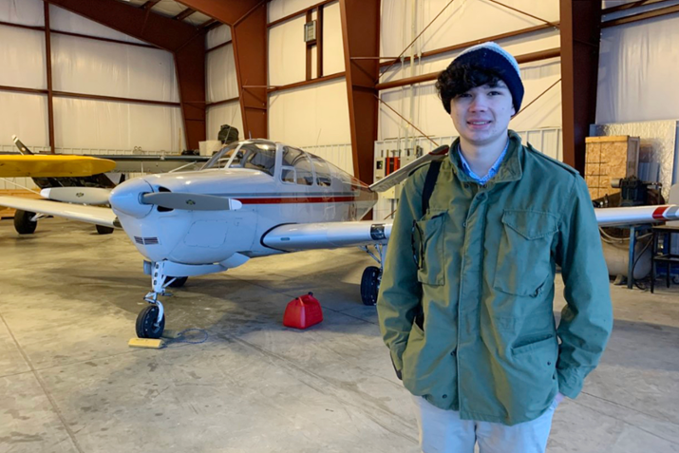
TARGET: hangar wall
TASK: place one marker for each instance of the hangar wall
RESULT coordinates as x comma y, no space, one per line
85,66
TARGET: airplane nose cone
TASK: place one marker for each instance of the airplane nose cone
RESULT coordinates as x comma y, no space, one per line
126,198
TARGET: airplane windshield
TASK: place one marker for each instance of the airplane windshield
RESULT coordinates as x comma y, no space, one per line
256,154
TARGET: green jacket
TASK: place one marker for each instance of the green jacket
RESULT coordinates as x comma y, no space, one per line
465,303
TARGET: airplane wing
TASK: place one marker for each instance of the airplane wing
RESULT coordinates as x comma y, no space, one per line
40,166
88,214
309,236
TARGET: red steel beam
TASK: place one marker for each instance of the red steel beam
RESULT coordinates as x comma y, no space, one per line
361,36
48,66
184,14
164,32
580,37
247,19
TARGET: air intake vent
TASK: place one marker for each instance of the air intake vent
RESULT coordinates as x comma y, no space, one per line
151,241
138,240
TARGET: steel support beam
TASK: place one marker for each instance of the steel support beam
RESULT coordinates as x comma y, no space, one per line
361,35
249,32
178,37
50,89
580,37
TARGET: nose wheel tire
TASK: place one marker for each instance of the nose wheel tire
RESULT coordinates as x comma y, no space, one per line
147,325
23,223
370,285
178,281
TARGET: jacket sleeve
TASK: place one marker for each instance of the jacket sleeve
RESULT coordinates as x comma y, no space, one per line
400,291
587,318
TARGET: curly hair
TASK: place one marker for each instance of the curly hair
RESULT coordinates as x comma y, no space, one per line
459,79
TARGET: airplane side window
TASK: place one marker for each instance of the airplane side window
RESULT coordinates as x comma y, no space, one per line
300,161
288,174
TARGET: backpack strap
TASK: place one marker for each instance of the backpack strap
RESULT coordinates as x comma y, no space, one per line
430,183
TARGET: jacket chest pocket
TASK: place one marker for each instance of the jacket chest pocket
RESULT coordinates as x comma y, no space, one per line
427,242
524,255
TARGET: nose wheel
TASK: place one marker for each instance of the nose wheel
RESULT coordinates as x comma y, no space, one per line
148,325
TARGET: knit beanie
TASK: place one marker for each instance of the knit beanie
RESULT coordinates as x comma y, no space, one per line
491,56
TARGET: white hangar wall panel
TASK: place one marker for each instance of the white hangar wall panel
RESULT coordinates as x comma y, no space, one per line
23,115
308,116
637,64
90,124
462,21
281,8
228,113
222,82
333,45
63,20
22,58
218,35
287,52
110,69
24,12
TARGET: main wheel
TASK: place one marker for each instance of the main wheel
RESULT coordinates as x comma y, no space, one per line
104,229
23,223
178,281
146,323
370,285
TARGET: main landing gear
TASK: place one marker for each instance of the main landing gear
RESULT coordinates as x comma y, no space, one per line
25,222
372,275
151,320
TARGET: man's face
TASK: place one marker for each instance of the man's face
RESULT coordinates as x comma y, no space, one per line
481,115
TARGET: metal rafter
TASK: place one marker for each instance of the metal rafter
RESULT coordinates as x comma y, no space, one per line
580,37
177,37
48,66
184,14
149,4
361,36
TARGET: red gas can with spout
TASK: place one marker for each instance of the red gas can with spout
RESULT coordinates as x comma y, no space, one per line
303,312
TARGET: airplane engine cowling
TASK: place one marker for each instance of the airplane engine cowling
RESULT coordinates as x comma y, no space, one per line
126,198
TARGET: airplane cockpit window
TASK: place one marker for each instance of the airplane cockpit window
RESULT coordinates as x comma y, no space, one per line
322,170
297,167
256,154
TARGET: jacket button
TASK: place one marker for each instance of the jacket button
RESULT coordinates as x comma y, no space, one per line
445,396
464,224
549,363
453,353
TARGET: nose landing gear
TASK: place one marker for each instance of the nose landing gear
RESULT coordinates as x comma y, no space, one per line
151,320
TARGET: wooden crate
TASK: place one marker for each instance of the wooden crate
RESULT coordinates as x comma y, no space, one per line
608,158
8,213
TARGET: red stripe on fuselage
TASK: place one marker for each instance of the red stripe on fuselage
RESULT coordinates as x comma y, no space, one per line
659,212
283,200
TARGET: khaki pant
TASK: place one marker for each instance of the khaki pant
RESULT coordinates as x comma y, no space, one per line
442,431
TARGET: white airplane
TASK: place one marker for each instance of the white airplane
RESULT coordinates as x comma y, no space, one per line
253,198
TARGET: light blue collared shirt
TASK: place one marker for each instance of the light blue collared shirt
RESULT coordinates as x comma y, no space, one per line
492,172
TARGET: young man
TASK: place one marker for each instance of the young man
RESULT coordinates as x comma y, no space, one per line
465,303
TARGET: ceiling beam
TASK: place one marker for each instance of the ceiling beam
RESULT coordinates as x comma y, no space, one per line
149,4
361,35
247,19
184,14
580,37
177,37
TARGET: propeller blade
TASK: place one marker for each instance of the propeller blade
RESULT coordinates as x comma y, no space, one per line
190,202
80,195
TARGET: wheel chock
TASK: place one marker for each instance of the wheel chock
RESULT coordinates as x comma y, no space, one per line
152,343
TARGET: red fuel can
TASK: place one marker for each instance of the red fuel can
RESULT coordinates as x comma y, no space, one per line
303,312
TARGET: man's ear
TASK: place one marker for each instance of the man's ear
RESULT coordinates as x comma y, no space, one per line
513,111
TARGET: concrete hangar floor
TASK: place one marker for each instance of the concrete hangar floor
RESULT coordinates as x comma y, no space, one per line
70,383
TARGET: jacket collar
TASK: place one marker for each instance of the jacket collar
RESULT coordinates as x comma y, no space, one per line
510,168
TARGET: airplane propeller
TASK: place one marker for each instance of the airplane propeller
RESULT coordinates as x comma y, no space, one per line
190,202
80,195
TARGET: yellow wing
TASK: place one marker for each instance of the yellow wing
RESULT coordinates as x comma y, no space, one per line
41,166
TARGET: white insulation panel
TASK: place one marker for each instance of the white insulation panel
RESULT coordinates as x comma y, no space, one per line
316,115
103,68
24,12
287,52
222,82
83,123
63,20
281,8
22,61
23,115
218,35
333,46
